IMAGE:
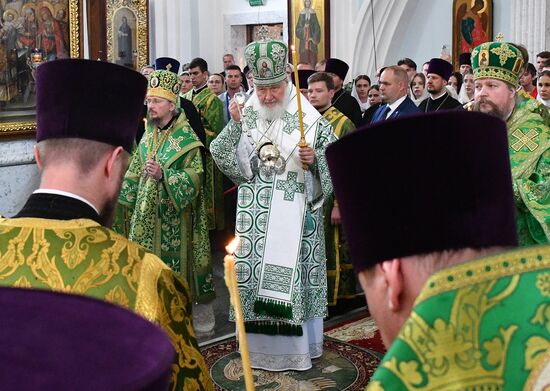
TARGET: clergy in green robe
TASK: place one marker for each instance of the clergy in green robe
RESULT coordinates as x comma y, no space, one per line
211,111
280,262
161,192
341,281
456,309
60,240
486,321
496,72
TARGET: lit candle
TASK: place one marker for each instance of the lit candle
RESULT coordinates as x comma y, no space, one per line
298,96
231,282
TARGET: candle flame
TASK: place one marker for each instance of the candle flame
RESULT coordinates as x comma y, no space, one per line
145,120
232,246
292,48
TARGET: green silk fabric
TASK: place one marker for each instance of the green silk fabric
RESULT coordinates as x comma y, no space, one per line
211,111
81,257
169,217
529,147
481,325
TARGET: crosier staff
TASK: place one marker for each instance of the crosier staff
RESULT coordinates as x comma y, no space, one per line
303,143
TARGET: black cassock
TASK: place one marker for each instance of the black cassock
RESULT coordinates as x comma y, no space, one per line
348,105
445,102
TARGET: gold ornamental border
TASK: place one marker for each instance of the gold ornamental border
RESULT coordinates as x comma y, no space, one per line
140,9
13,130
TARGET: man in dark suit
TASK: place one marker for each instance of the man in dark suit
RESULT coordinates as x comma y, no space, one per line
393,89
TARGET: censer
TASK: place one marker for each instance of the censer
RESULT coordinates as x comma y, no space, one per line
271,159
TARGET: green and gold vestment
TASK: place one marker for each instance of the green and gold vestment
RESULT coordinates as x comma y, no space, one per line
255,212
481,325
529,147
81,257
211,111
341,280
169,217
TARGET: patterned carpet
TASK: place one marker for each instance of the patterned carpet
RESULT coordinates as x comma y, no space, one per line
360,331
352,351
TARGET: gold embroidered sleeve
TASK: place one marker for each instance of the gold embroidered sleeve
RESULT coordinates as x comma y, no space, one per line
164,299
534,191
183,179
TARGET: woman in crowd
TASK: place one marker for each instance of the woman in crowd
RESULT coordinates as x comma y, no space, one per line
543,84
418,88
455,81
360,91
374,101
467,90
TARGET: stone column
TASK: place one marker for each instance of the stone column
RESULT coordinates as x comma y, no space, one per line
19,176
530,26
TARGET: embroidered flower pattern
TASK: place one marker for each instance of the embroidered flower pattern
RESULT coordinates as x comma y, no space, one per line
543,283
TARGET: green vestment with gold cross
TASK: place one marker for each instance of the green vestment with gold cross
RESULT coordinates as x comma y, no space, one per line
529,147
81,257
341,280
169,217
256,217
481,325
211,111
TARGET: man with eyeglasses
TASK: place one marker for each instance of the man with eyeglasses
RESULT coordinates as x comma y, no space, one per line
164,206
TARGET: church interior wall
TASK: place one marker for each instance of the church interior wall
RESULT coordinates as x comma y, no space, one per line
185,29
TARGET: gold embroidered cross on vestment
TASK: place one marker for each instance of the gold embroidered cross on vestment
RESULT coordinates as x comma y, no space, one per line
525,140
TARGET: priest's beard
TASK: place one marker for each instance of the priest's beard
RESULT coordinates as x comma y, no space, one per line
274,112
495,111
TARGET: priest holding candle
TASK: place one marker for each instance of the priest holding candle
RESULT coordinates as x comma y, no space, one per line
280,262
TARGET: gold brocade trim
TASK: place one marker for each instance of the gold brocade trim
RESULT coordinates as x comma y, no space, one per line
486,269
147,298
162,93
184,150
496,73
33,222
201,97
194,178
539,377
336,239
513,123
74,28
